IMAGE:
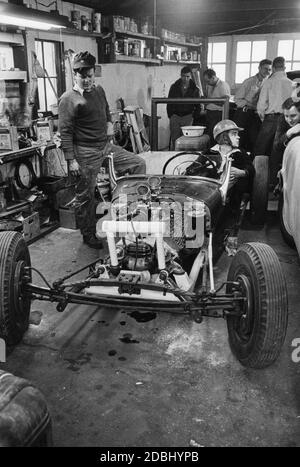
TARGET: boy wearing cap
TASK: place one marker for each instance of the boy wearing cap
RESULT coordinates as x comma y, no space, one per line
85,126
226,135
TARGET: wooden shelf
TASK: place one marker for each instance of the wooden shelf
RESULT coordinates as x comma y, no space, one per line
10,156
137,34
16,75
129,58
184,44
181,62
80,32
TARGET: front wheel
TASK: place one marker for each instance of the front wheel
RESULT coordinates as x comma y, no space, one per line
256,336
14,304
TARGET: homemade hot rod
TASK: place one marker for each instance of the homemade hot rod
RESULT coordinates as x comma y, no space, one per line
164,232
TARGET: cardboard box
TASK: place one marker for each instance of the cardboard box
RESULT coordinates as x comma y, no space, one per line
67,217
9,139
31,226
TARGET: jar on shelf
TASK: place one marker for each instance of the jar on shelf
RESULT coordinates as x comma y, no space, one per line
126,47
76,19
97,22
144,27
84,23
126,23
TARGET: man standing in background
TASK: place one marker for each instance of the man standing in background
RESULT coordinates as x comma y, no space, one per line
182,114
246,99
274,92
215,89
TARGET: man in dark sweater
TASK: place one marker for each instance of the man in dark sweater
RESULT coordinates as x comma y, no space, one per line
182,114
85,127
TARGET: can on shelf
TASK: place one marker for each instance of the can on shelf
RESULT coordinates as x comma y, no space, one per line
75,19
125,46
84,23
97,22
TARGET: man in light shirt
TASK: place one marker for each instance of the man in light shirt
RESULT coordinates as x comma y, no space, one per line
215,89
246,99
274,92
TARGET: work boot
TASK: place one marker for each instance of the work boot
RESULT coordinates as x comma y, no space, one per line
93,242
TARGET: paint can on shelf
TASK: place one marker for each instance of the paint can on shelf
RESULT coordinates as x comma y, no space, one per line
84,23
97,22
76,19
125,46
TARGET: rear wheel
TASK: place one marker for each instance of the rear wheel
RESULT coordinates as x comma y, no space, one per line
260,190
288,238
14,305
257,335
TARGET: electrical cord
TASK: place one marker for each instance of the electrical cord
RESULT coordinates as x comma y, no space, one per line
41,275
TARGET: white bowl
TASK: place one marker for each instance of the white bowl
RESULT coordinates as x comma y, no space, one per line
193,130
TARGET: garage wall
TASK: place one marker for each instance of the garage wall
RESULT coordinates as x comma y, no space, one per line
135,83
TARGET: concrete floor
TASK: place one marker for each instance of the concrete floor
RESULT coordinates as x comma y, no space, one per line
110,380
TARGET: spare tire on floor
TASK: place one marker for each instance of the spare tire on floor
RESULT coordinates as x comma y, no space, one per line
14,305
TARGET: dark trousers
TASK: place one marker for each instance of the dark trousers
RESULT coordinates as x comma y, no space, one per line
212,118
264,143
251,123
90,161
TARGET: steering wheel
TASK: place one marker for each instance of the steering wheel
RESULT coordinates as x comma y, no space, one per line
203,161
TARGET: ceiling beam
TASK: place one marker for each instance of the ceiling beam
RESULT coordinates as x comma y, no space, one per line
208,6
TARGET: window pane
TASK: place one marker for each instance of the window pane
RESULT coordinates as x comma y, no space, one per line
285,49
220,70
41,94
254,68
243,51
259,50
296,66
242,72
49,57
38,49
51,99
288,66
209,53
297,50
219,52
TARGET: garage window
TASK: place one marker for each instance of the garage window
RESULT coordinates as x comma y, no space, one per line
290,50
216,58
248,56
50,85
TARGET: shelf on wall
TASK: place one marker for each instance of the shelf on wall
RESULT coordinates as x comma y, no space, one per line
129,58
181,62
80,32
137,34
16,75
184,44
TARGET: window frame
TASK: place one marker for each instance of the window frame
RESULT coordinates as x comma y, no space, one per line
59,67
218,40
293,60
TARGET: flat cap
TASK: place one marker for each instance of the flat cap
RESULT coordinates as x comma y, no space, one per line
83,60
